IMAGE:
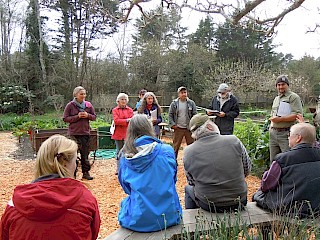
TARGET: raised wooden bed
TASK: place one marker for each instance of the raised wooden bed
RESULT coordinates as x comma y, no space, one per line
38,136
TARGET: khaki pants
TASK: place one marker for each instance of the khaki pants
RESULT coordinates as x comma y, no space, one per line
178,135
278,142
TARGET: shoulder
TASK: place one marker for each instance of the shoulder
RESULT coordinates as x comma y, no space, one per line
293,95
71,103
88,104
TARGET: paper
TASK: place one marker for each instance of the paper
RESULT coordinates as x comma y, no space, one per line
154,114
284,109
211,111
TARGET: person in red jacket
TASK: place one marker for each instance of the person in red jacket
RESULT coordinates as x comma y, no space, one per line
78,113
54,206
121,116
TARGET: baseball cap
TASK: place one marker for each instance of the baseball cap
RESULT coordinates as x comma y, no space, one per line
181,88
223,87
282,78
198,120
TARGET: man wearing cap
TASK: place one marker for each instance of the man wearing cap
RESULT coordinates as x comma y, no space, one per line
216,166
181,111
227,109
284,112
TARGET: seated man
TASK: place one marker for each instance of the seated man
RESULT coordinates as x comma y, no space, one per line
291,185
216,166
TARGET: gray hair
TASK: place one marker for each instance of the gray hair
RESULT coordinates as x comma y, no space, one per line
139,126
143,104
122,95
306,131
77,90
204,130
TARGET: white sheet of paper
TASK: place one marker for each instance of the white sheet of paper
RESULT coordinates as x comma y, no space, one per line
212,111
154,114
284,109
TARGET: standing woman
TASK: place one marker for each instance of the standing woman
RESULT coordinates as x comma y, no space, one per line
53,206
78,113
148,174
152,109
121,116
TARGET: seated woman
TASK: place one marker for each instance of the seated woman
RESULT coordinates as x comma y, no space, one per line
152,109
54,206
148,173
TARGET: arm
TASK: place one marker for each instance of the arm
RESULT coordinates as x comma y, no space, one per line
246,161
67,117
117,120
95,224
125,185
234,111
271,177
91,113
194,108
171,115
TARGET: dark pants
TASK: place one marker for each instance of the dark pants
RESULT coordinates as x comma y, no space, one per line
83,146
178,135
119,146
191,202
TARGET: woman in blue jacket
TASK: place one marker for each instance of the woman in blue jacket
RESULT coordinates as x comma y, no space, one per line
148,173
152,109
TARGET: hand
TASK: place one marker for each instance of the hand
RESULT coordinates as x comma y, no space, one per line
300,118
154,121
128,119
275,119
83,114
221,114
174,127
209,113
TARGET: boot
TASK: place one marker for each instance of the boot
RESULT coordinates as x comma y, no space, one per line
86,175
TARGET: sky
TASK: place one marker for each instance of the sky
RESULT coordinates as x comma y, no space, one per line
291,34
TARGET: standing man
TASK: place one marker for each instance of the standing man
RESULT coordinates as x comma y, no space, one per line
284,112
181,111
216,166
227,109
291,185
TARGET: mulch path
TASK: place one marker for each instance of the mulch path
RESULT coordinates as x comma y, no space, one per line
17,165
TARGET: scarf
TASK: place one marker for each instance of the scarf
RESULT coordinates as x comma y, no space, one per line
81,106
149,107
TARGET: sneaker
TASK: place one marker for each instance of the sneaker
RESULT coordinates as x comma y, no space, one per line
87,176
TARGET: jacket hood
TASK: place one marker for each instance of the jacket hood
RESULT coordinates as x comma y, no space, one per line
148,148
48,199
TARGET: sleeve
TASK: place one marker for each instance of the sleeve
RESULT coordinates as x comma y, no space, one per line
67,115
117,120
95,225
171,115
211,104
189,176
271,177
124,184
194,109
159,118
296,105
246,161
4,227
235,110
92,114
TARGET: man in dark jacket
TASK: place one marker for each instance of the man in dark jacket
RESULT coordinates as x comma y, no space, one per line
291,185
226,108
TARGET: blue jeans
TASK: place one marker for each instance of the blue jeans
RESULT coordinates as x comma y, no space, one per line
119,146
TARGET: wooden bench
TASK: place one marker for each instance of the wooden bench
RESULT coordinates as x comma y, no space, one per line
252,215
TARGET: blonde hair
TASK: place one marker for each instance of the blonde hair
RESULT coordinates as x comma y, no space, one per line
77,90
122,95
52,155
306,131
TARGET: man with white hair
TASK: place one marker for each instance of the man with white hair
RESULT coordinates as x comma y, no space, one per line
291,185
226,109
216,166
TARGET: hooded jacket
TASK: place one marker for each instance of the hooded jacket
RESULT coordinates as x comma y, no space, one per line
59,208
120,116
149,179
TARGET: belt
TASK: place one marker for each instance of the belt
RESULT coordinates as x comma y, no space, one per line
281,129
